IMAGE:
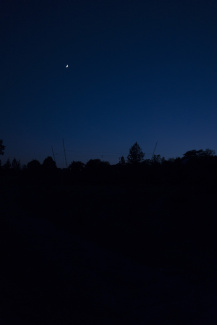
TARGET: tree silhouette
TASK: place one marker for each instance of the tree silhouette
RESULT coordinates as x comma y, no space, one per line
15,164
96,164
122,160
199,153
2,148
135,154
157,159
49,164
34,165
76,166
7,165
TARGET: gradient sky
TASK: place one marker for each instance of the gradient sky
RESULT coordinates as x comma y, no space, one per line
142,71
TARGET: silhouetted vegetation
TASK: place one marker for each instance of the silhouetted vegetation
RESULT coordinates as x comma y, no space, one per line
158,212
141,207
7,164
34,165
15,164
76,167
195,167
49,164
2,147
135,154
122,160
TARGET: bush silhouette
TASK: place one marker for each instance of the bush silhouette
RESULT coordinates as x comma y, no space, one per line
49,164
34,165
76,167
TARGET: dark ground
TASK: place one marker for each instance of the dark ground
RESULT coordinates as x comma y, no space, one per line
88,253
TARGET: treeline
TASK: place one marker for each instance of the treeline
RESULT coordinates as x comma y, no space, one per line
197,166
174,203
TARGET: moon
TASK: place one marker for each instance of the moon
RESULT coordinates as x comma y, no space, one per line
67,66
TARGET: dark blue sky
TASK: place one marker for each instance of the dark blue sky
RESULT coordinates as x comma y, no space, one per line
142,71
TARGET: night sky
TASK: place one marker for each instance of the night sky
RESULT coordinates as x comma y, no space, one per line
139,70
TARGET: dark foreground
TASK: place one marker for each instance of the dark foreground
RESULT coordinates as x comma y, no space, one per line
107,254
